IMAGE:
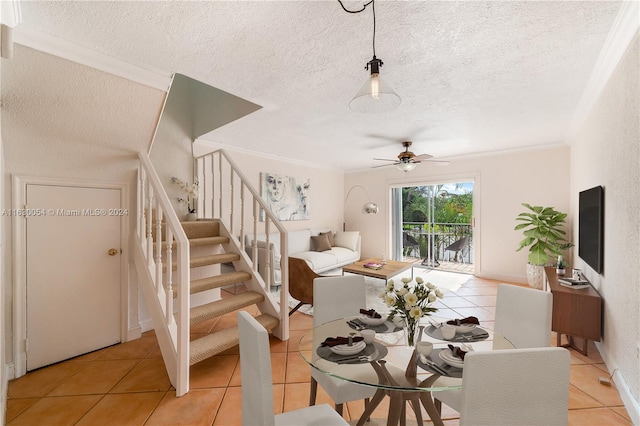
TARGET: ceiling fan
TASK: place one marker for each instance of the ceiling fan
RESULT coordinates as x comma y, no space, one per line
407,160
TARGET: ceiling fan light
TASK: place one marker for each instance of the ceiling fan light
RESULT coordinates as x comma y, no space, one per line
374,96
406,166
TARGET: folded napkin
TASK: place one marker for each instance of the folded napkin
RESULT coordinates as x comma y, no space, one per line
457,352
370,313
335,341
467,320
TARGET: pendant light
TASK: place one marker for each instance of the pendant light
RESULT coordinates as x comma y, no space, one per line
374,95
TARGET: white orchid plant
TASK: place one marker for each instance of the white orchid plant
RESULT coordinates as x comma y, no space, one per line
411,302
191,191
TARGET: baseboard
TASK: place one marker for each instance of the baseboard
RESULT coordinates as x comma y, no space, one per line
146,325
134,333
10,371
630,403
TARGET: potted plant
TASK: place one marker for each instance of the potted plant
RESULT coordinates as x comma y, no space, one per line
543,234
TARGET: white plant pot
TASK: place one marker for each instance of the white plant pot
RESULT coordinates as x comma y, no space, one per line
535,275
191,217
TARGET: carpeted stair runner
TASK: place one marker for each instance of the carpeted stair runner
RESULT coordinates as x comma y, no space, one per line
213,344
202,234
224,306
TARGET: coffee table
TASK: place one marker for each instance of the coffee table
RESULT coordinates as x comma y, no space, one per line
390,269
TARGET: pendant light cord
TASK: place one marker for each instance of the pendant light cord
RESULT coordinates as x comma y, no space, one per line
364,6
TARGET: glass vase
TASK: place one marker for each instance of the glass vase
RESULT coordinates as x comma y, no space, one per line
410,332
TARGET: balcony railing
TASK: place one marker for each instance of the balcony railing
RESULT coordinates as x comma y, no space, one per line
435,242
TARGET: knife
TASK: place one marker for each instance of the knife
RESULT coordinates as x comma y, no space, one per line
433,365
355,326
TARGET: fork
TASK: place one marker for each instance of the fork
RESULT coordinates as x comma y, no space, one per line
360,358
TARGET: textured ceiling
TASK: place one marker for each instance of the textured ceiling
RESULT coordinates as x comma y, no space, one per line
474,77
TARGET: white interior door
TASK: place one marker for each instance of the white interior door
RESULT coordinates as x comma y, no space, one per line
72,278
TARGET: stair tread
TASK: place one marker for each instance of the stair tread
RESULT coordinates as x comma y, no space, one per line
208,260
218,281
224,306
207,241
215,343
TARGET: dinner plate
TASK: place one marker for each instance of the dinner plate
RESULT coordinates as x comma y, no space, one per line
372,321
348,350
448,357
464,328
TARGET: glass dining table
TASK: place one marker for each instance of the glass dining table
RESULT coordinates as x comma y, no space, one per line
397,370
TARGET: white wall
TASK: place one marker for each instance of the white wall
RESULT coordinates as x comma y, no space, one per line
326,189
502,183
606,151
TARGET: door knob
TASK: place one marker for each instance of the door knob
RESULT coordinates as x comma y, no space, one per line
113,252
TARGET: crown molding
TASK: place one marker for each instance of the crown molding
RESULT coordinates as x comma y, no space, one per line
622,33
82,55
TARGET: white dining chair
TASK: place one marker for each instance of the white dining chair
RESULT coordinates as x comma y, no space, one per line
513,387
334,298
257,384
523,315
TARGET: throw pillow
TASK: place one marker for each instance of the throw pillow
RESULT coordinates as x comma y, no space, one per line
348,239
321,243
329,235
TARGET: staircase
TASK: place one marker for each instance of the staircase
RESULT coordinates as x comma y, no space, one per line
204,236
186,293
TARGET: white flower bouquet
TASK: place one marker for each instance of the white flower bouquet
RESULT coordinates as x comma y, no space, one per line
191,191
411,302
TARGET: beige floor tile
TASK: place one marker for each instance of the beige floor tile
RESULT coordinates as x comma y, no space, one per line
278,346
230,412
216,396
294,340
214,372
198,407
135,349
122,409
40,382
483,301
17,406
596,417
298,370
147,376
578,399
296,395
585,378
278,369
60,411
96,377
457,302
300,321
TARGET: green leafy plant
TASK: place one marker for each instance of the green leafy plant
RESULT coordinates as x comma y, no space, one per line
543,233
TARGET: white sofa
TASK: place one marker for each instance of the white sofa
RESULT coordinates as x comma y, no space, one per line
309,245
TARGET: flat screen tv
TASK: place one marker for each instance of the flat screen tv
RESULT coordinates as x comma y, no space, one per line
590,227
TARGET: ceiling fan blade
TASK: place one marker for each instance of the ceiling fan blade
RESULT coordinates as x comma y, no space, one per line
384,159
422,157
384,165
435,162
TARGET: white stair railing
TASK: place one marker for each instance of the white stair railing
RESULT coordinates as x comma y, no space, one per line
157,225
226,194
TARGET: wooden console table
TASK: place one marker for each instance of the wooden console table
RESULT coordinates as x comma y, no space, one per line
577,313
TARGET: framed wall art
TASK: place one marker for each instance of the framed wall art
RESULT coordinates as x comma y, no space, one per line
286,196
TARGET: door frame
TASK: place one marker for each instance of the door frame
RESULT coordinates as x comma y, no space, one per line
19,264
434,180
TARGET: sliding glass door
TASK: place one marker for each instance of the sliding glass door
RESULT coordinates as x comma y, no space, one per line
432,225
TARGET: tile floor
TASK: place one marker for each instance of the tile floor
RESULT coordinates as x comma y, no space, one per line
127,384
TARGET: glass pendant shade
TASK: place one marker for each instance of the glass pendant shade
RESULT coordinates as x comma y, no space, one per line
374,96
406,166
